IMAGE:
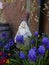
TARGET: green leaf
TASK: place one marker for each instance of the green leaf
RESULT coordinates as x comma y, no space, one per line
15,61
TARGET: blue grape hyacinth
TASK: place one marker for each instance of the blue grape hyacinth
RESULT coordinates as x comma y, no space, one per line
36,34
47,47
41,50
7,47
32,55
11,42
4,35
34,48
45,41
20,39
22,55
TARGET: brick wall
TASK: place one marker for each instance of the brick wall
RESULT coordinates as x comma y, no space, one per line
34,16
46,18
15,11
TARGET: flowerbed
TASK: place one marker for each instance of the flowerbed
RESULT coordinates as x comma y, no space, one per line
33,50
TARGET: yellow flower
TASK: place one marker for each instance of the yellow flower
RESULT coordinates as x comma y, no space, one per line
38,36
8,61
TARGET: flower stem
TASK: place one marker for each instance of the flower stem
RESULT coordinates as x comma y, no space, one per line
15,61
39,62
36,43
26,62
45,56
33,63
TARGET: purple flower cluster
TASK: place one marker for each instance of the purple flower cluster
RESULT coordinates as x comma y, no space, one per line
47,47
41,50
9,44
32,55
36,34
4,35
22,55
20,39
34,52
45,41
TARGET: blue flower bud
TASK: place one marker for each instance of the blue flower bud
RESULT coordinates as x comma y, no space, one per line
4,35
32,55
34,48
41,50
36,34
11,42
22,55
20,39
45,41
47,47
7,47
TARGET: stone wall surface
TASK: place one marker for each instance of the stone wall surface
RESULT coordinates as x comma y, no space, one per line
14,12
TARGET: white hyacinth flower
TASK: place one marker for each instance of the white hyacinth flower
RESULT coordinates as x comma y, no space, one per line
23,30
